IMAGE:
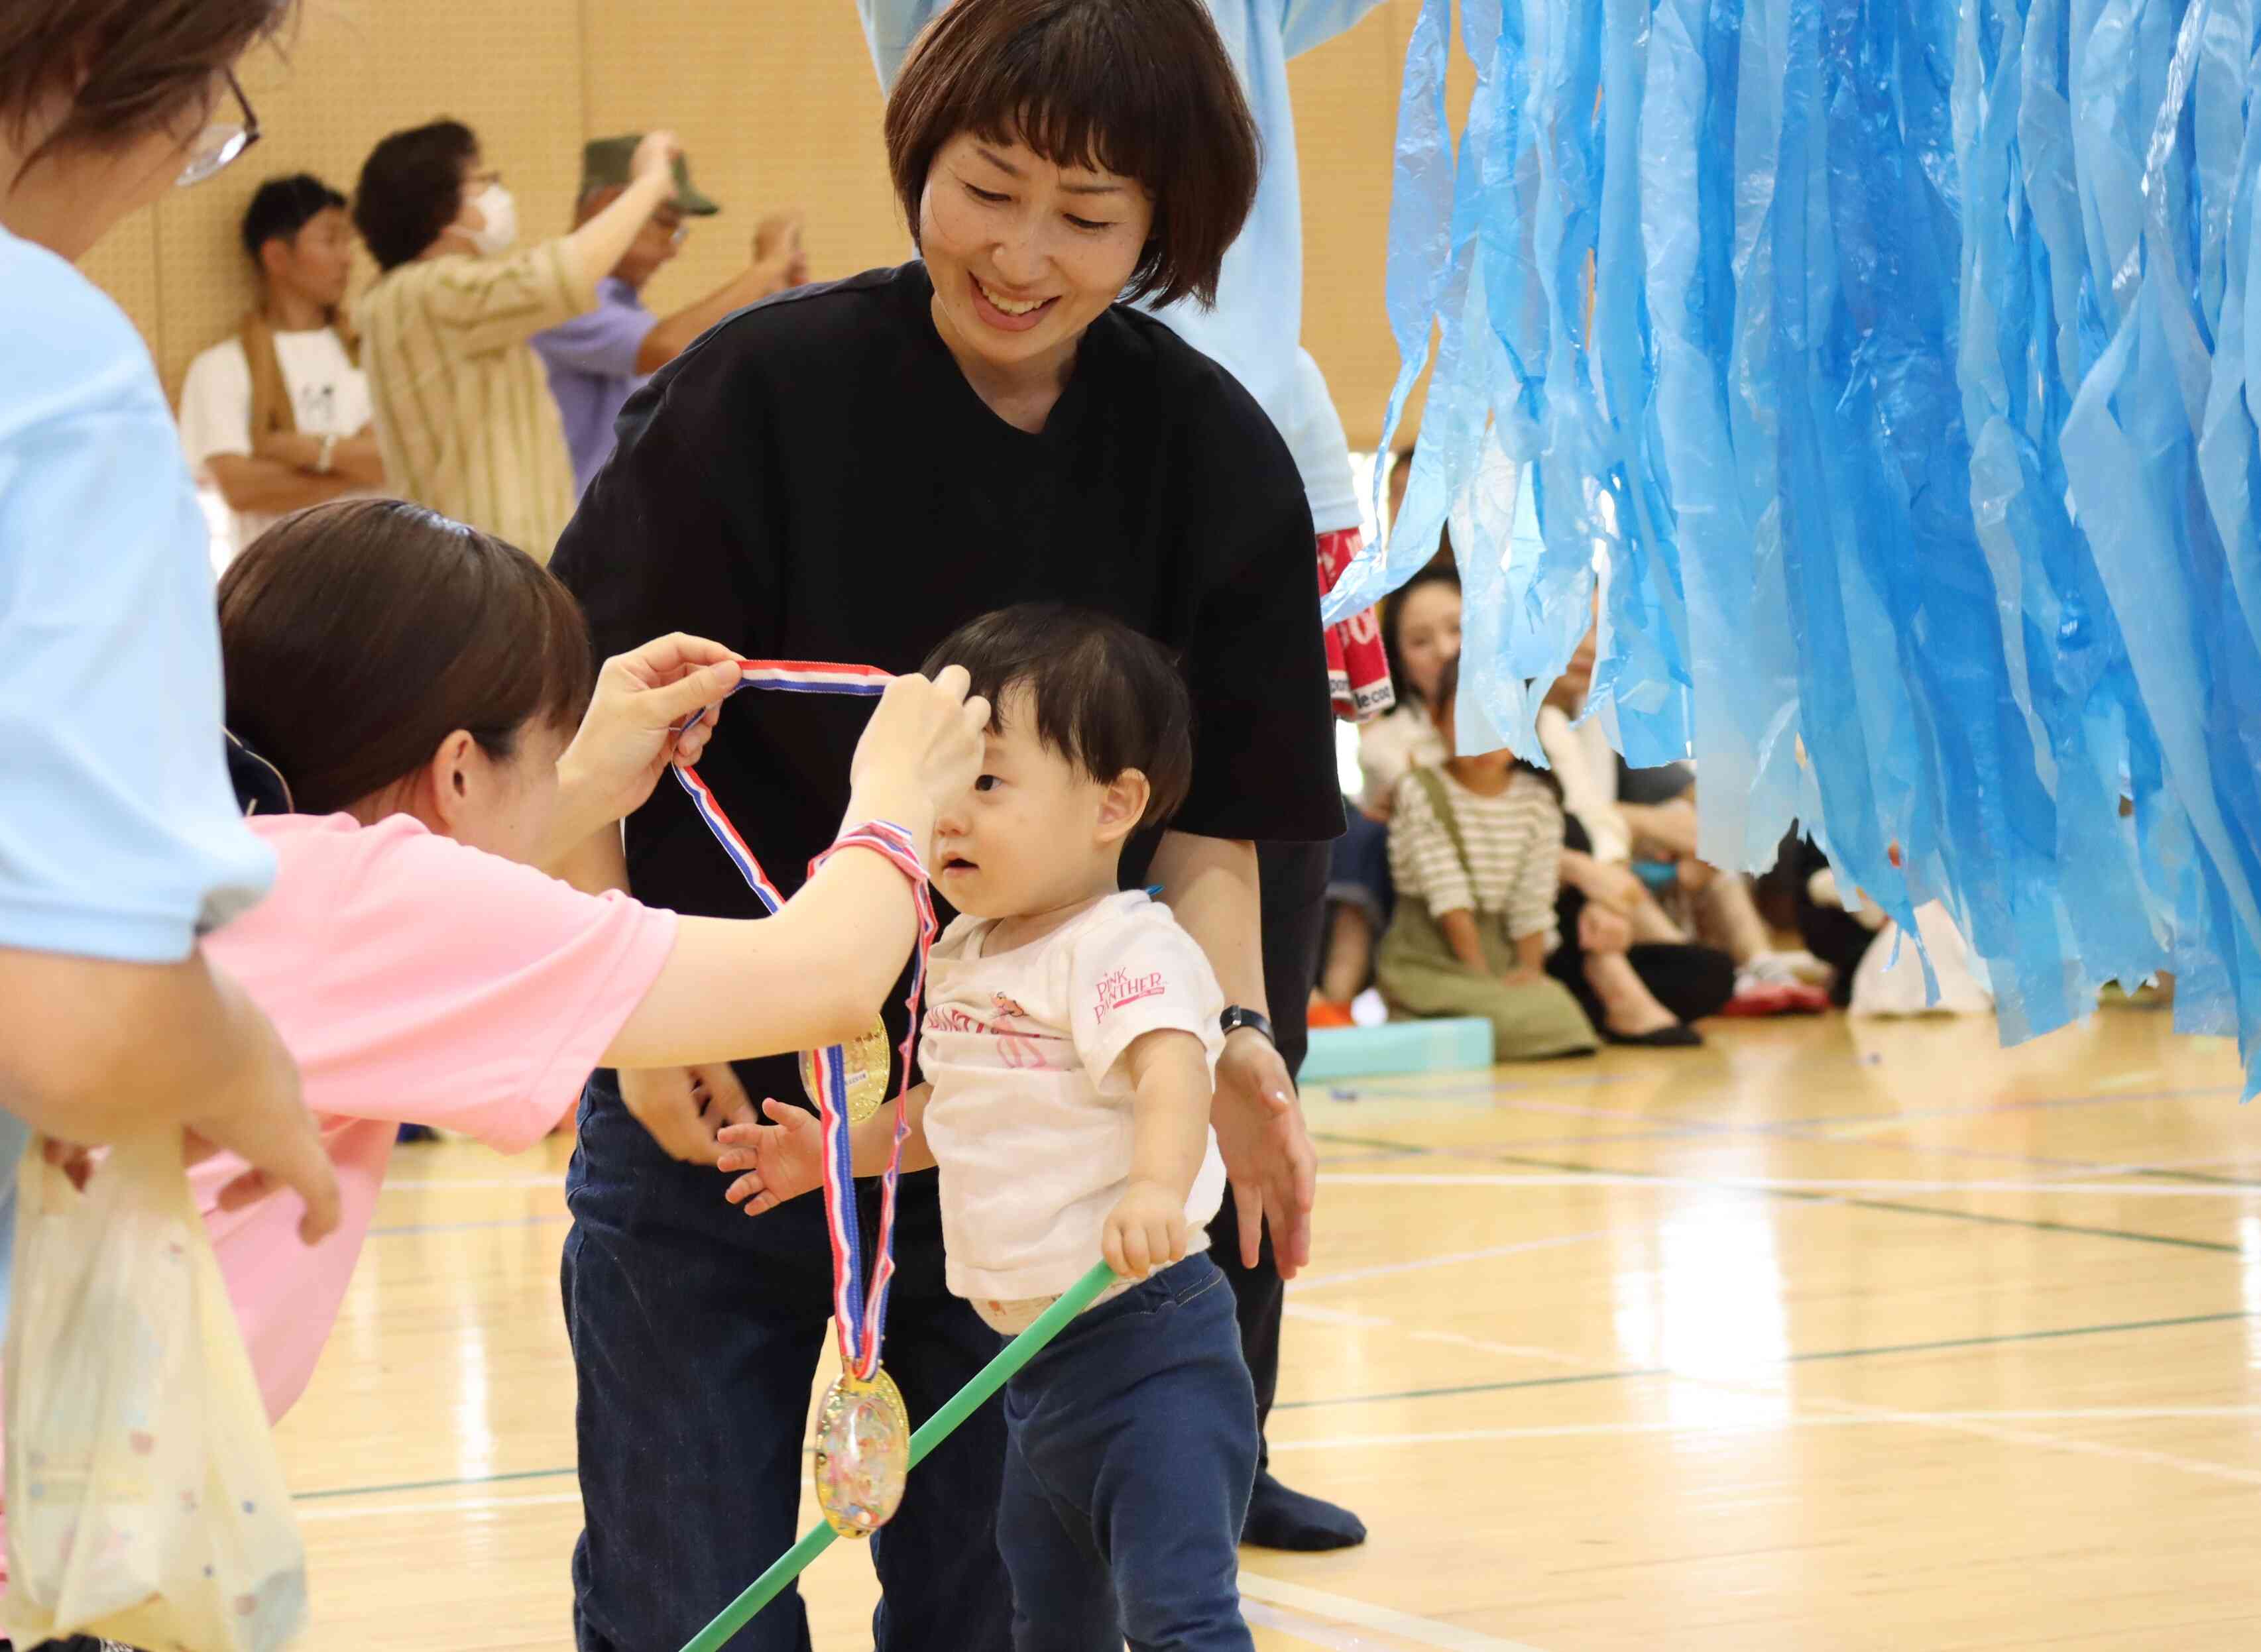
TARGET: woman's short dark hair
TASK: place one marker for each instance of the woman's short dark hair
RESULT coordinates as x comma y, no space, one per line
282,207
129,66
1393,626
1107,699
410,189
357,636
1140,88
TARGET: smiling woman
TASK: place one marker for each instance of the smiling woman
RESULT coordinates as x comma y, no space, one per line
851,473
1035,176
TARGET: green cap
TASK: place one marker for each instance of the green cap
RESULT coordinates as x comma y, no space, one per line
605,165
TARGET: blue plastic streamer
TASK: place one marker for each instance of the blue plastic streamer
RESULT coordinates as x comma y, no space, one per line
1892,368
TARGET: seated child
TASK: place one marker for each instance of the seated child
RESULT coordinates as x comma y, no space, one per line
1476,851
1070,1040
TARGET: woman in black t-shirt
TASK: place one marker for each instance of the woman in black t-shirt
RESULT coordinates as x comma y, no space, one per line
848,473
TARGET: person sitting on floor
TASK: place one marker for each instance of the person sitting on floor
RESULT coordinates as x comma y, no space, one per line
1648,816
1420,636
1476,848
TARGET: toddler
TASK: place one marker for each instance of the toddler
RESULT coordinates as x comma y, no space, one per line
1070,1039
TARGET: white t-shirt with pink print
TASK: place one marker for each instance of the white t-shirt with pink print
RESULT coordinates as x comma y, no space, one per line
1031,1120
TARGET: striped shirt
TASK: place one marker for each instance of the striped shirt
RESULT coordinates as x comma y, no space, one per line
465,418
1514,844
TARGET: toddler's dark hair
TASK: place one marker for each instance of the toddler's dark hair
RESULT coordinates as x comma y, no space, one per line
1448,695
1107,699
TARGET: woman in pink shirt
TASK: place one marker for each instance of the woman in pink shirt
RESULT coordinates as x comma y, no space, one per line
417,685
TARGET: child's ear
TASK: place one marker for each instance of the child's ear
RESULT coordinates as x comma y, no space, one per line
1123,805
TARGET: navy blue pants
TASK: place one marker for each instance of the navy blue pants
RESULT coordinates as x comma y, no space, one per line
696,1331
1132,1447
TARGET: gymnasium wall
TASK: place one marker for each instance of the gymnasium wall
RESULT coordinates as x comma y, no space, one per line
777,105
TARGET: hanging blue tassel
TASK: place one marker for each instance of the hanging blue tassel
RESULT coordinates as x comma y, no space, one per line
1911,431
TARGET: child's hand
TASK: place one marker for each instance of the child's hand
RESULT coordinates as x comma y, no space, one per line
1524,974
1146,1230
781,1160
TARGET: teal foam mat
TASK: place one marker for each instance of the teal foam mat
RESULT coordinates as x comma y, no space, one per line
1455,1044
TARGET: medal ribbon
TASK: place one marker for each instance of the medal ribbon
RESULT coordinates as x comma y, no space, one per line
859,1311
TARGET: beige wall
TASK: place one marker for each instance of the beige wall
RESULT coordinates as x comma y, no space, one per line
777,105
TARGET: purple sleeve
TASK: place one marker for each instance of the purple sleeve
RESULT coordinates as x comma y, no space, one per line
604,341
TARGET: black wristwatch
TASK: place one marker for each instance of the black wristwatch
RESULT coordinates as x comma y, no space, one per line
1234,1018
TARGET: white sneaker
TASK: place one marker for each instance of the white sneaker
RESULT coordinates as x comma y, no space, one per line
1787,969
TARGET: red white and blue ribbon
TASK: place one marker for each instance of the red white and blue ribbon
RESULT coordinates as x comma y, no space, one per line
785,676
859,1311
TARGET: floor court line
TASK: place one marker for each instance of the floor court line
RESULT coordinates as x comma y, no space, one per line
1382,1270
1853,1416
1421,1632
1706,1130
1310,1631
1641,1372
1571,1167
429,1486
1985,1425
461,1506
1866,1417
1796,1184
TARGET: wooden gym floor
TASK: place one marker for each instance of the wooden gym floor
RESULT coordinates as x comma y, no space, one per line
1832,1336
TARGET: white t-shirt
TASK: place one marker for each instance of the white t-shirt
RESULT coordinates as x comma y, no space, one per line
1031,1119
329,397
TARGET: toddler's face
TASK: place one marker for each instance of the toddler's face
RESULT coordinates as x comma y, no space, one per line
1028,837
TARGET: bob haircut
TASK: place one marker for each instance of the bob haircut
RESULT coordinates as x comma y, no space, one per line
1139,88
357,636
130,67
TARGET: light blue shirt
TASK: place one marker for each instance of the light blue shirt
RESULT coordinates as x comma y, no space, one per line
119,836
1256,329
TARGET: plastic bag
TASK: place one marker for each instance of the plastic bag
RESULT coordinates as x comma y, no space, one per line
145,1503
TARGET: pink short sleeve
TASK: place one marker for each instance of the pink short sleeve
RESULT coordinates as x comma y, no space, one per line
417,979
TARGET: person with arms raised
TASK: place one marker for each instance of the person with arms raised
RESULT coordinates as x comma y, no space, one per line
464,416
596,361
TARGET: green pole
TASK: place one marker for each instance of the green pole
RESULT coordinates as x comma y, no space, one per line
932,1432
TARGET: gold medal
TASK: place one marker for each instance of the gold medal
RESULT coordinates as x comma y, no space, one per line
869,1063
863,1453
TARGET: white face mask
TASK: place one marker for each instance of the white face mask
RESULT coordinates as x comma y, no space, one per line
500,211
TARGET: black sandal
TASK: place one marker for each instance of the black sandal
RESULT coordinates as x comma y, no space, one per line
1679,1036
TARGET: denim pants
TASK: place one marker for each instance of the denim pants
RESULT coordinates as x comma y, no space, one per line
696,1331
1130,1450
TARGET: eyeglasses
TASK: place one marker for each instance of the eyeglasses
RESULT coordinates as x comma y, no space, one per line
222,142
